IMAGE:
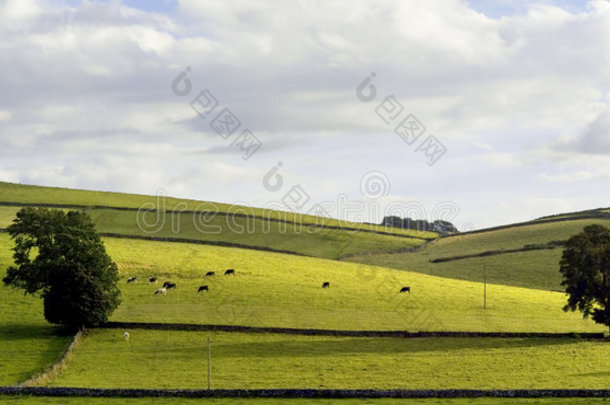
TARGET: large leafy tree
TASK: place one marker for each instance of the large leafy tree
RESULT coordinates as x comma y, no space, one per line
61,256
585,267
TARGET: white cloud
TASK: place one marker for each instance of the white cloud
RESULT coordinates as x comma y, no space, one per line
581,175
5,115
517,100
596,138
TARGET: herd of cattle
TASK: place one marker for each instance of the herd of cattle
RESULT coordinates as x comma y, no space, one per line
168,285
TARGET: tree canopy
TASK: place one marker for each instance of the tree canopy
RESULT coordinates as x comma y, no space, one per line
61,256
585,267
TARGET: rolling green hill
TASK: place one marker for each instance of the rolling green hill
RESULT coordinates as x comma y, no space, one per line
245,232
215,223
280,290
284,290
18,193
535,266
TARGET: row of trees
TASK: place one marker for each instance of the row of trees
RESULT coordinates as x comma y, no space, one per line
439,226
61,257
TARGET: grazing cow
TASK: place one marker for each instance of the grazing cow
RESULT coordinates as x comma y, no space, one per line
203,288
166,284
230,271
126,335
326,284
405,289
161,291
171,285
152,280
132,279
210,273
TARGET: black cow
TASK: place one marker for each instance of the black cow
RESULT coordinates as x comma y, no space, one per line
230,271
171,285
210,273
405,289
326,284
203,288
168,283
132,279
152,280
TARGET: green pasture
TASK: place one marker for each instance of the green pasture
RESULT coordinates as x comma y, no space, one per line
533,269
177,359
20,193
279,290
7,214
271,289
310,241
508,238
28,343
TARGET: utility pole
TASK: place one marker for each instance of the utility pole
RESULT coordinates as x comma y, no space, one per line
209,365
485,286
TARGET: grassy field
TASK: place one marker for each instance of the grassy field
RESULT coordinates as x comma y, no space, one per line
280,290
8,400
271,289
174,359
7,214
27,342
317,242
510,238
20,193
534,269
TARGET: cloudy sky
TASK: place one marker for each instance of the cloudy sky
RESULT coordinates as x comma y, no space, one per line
482,112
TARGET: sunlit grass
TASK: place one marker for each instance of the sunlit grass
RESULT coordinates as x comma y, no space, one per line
54,195
271,289
534,269
173,359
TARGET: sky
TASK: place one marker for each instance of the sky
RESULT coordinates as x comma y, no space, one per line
478,112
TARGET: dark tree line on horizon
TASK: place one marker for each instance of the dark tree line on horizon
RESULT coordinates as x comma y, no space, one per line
438,226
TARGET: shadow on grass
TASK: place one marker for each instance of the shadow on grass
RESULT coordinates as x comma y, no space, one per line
12,332
596,374
28,349
359,346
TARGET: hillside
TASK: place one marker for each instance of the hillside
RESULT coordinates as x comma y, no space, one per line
27,194
279,290
219,224
525,255
273,289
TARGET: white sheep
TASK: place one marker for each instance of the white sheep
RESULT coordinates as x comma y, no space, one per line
161,291
126,335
